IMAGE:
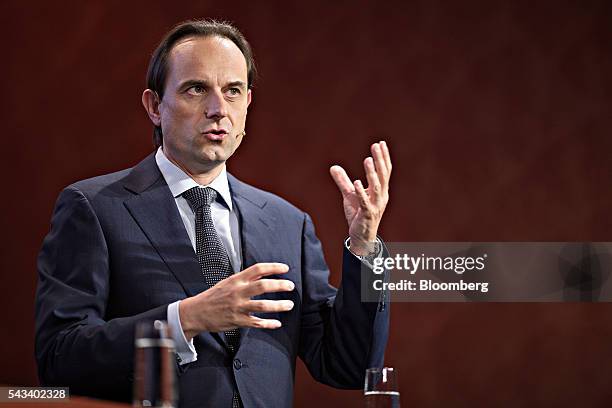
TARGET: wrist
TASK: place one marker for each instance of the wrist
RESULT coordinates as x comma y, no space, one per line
187,323
361,247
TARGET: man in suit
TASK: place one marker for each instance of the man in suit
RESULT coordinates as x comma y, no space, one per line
238,272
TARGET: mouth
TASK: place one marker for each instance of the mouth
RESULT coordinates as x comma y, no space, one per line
215,134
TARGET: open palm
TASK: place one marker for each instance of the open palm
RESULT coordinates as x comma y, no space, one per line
363,208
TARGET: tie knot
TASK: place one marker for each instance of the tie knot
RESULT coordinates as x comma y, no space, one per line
199,197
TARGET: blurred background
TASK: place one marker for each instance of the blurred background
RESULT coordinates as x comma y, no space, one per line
498,115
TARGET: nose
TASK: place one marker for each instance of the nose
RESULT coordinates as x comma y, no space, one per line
215,106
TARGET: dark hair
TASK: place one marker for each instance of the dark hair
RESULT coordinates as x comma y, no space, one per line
158,66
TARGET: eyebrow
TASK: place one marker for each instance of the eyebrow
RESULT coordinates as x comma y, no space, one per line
193,82
239,84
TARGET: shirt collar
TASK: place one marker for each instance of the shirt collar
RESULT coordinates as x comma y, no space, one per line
178,181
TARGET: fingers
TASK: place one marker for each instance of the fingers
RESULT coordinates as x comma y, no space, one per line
259,323
377,169
386,156
268,306
373,178
380,163
265,306
362,196
260,270
342,179
258,286
228,304
262,286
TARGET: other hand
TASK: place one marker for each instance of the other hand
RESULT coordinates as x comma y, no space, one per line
363,207
228,304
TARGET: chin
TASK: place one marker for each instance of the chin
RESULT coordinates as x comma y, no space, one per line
212,158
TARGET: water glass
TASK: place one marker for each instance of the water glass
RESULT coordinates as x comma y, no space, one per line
155,382
380,390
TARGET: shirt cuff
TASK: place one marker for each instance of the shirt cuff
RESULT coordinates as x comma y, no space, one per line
368,260
185,350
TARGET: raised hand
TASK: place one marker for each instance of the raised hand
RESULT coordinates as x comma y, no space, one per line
228,304
364,207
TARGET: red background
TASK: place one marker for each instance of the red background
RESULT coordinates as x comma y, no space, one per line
498,115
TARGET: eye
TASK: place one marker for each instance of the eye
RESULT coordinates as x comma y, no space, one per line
234,91
196,90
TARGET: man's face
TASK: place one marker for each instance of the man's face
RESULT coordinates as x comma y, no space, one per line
204,107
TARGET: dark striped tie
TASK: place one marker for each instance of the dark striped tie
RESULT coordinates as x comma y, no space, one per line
212,257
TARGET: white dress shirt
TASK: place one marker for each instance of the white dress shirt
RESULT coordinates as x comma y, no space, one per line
225,220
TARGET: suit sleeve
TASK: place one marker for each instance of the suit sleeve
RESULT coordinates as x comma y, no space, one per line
75,345
341,336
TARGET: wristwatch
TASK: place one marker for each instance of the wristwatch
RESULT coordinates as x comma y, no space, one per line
369,258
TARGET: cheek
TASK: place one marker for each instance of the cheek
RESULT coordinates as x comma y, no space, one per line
176,117
238,141
239,116
175,111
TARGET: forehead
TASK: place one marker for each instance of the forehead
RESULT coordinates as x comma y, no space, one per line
209,57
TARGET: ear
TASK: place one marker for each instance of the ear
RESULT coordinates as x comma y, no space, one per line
249,97
151,102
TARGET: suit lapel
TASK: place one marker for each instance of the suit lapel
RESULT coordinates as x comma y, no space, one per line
154,209
255,223
256,227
